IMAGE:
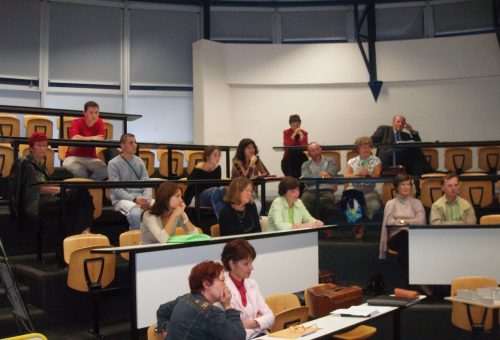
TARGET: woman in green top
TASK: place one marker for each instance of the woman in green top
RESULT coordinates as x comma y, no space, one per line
287,211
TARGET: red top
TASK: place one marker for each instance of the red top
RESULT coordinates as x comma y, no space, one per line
78,127
289,141
240,285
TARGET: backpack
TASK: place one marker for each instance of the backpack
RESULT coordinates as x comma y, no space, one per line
353,205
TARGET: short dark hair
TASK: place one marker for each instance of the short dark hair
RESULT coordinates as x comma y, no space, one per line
287,183
90,103
208,151
240,151
400,179
204,271
449,176
235,188
294,118
124,137
237,250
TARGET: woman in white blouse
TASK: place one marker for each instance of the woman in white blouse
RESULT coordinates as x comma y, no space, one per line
165,215
237,257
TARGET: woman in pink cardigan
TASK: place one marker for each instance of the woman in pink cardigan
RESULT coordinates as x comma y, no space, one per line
257,317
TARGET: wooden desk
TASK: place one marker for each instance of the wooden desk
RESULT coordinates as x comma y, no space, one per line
468,303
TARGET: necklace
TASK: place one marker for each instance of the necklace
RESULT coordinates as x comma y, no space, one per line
239,214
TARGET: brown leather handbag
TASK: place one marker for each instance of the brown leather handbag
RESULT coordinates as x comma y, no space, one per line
328,297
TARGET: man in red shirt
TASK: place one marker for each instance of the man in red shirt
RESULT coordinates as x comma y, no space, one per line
82,161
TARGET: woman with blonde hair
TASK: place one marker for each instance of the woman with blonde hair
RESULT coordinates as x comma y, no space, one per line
239,216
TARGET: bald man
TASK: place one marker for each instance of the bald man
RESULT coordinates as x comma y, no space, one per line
412,159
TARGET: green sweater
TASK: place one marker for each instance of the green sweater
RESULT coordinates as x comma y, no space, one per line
279,218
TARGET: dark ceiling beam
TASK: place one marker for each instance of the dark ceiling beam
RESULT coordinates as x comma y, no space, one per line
370,60
496,18
206,19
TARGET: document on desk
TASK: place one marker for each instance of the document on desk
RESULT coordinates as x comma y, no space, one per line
356,311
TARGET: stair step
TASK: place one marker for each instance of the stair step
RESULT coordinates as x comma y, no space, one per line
9,324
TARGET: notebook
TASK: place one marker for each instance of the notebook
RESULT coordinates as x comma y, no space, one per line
389,300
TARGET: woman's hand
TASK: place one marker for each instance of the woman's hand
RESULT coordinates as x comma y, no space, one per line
225,299
253,161
179,210
362,172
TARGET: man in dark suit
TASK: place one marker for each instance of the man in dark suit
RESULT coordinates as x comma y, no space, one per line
412,159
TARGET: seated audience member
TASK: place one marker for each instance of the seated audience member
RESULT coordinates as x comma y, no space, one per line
451,208
165,215
403,210
412,159
210,194
131,202
365,165
239,216
246,163
294,136
319,166
194,316
287,211
237,257
82,161
36,206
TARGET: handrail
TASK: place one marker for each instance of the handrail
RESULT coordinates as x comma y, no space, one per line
404,145
61,113
16,141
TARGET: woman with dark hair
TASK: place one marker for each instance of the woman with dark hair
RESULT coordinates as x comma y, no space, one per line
292,161
239,216
287,211
246,162
238,256
165,215
403,210
210,194
193,316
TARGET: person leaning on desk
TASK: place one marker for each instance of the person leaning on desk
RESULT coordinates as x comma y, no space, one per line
165,215
194,316
287,211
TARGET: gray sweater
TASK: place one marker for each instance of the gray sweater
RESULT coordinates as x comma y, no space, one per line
119,170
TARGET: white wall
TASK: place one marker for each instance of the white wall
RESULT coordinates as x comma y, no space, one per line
447,88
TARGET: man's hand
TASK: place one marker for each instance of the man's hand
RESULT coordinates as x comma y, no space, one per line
97,137
325,174
142,202
408,127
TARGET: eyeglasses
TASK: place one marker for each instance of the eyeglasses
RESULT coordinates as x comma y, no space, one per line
301,329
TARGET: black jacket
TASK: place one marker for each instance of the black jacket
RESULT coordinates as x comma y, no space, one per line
24,192
385,134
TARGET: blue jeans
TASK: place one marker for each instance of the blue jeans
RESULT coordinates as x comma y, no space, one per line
213,197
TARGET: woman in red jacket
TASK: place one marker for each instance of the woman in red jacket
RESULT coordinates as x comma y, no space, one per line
293,159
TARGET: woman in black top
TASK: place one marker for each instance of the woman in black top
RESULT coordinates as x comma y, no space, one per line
210,194
239,216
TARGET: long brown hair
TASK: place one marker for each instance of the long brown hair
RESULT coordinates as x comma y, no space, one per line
163,195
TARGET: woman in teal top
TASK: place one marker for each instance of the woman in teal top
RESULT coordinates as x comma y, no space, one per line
288,211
